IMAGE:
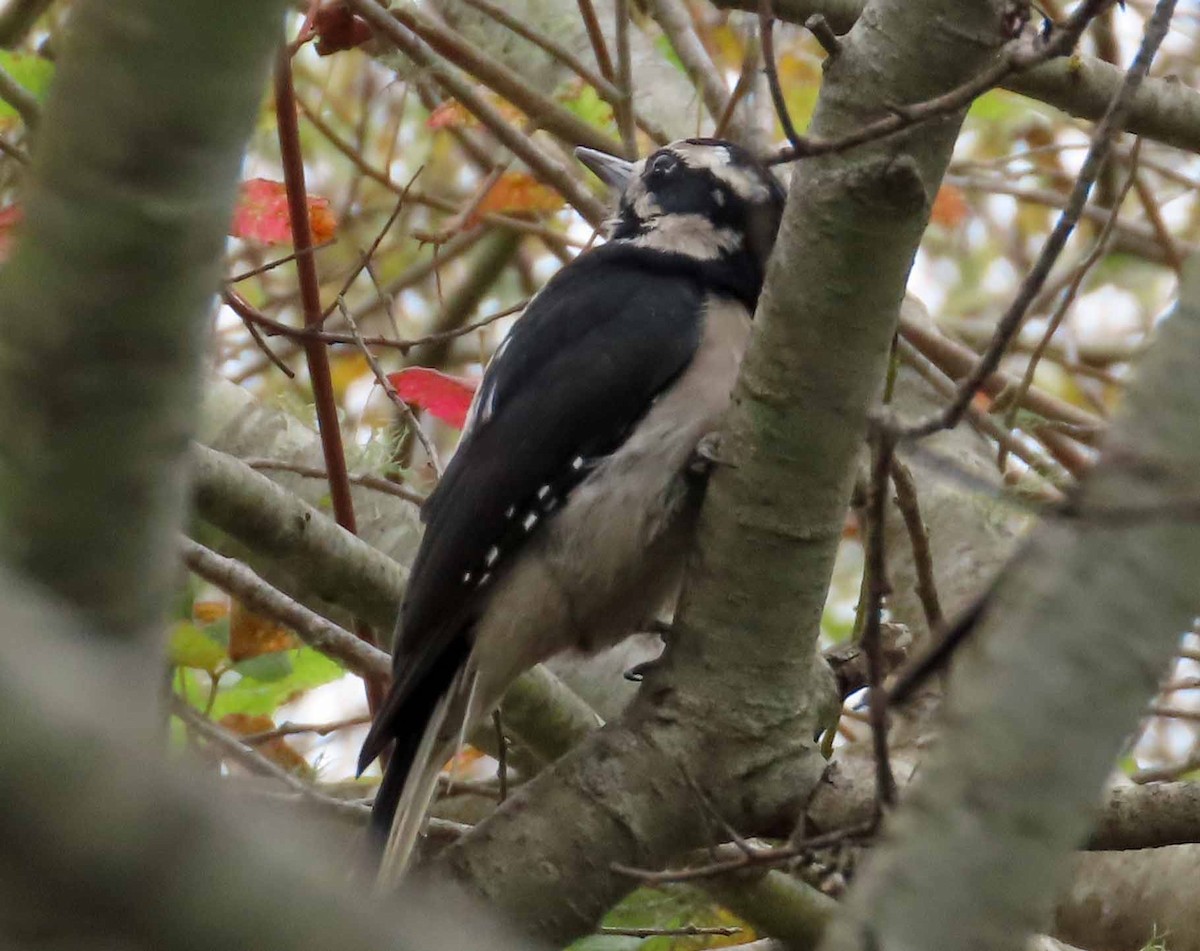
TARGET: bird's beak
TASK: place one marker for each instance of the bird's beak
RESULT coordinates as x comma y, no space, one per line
613,171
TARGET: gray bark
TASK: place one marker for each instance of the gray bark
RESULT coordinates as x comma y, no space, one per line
1083,86
1093,608
106,847
105,297
1120,901
824,327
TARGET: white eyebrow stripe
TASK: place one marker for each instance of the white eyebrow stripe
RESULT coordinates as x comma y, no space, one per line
741,181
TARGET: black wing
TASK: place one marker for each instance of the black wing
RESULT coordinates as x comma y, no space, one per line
581,366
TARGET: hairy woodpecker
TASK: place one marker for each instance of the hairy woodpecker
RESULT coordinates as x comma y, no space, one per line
564,516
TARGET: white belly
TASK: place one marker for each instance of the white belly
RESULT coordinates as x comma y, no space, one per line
605,564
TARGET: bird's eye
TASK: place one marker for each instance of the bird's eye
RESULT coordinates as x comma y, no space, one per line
662,164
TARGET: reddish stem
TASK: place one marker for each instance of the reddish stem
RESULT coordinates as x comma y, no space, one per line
310,296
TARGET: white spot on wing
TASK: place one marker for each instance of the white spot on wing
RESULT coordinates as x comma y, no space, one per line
492,555
530,520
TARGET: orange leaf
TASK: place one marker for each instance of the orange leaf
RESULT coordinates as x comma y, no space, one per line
247,724
262,214
949,207
10,217
463,763
276,750
209,611
446,397
252,634
518,192
450,114
453,114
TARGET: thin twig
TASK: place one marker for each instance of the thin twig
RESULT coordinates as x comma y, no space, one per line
1010,322
20,98
545,167
405,410
908,503
18,19
882,448
373,482
1154,215
316,354
1075,458
247,311
1098,250
1047,468
365,258
254,761
624,110
605,89
276,262
743,86
546,234
680,931
256,336
591,23
465,55
956,360
501,754
1021,54
14,151
1174,713
755,858
294,729
819,27
256,594
675,20
1132,238
766,32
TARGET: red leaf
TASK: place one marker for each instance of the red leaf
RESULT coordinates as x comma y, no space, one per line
336,28
446,397
10,217
949,207
262,214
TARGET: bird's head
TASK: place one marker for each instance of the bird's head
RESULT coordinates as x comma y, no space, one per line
704,198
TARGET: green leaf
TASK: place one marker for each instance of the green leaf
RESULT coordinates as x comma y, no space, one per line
309,669
32,72
671,907
586,103
663,45
266,668
191,647
997,105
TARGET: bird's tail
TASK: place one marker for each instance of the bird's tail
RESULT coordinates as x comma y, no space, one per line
423,743
414,797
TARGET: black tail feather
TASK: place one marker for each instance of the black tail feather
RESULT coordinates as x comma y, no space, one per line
403,719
